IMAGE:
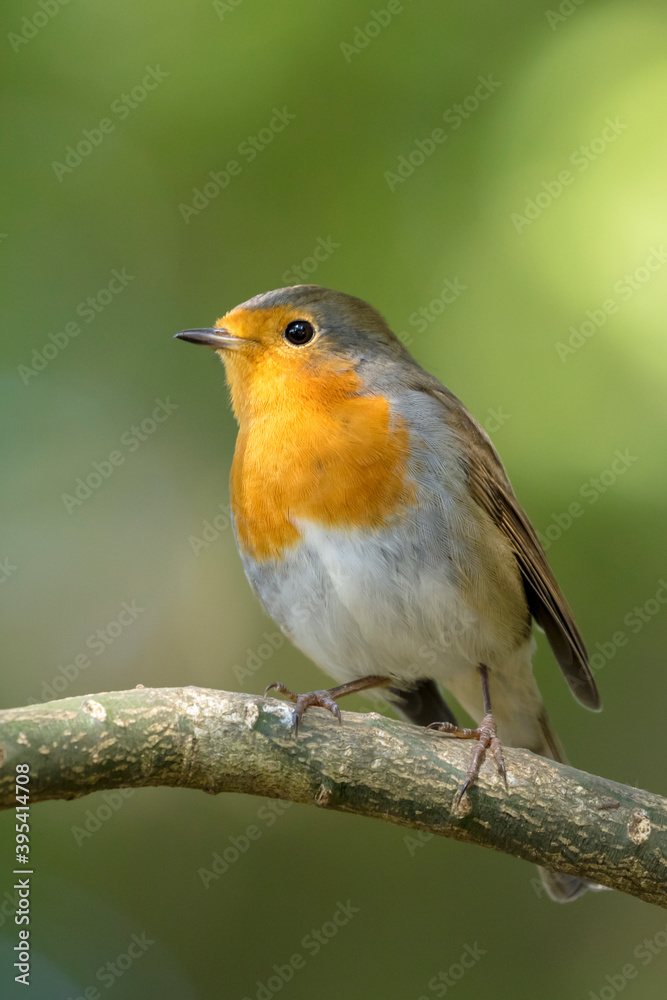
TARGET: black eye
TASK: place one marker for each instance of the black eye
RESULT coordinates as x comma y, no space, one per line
299,331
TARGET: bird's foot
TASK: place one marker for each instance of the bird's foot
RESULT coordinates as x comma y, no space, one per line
326,699
311,699
486,735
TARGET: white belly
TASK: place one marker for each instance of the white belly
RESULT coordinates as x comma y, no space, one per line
409,601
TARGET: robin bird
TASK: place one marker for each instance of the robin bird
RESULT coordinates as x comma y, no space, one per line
378,528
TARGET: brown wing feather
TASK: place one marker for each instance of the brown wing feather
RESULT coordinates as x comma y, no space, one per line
492,490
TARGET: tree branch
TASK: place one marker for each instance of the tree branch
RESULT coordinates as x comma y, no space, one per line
556,816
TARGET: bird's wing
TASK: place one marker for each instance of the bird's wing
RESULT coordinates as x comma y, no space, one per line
492,490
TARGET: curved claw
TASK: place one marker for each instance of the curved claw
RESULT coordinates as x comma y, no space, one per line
279,686
464,788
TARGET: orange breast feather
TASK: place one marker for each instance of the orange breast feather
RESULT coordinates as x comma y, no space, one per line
311,446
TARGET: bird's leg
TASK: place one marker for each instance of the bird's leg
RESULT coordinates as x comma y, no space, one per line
326,699
486,734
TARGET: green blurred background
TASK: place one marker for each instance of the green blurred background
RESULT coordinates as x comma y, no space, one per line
558,415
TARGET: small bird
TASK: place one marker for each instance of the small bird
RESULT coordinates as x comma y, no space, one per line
377,526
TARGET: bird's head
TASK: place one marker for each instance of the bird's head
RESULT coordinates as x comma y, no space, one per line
300,342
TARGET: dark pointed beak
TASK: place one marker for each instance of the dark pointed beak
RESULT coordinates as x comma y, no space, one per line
213,337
